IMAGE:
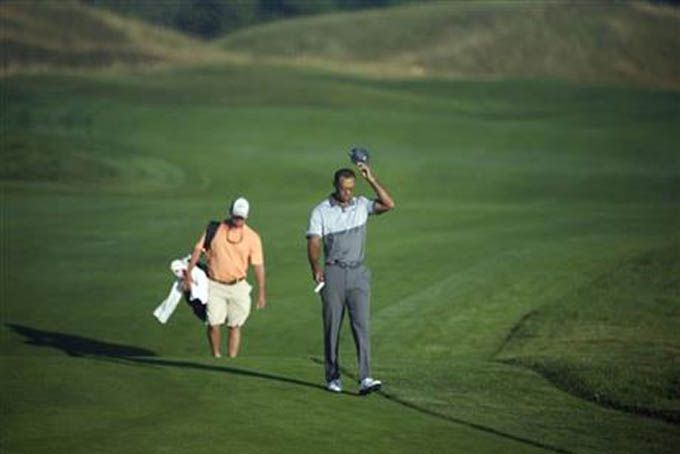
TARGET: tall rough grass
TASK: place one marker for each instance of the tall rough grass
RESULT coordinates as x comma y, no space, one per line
596,41
48,35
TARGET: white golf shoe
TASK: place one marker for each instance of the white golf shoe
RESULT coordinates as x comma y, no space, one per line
369,385
334,386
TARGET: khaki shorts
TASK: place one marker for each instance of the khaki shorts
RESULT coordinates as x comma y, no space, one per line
228,303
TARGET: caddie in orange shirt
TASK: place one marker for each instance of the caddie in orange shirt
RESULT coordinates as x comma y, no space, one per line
229,252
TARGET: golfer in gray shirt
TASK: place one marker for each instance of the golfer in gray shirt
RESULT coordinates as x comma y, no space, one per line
339,223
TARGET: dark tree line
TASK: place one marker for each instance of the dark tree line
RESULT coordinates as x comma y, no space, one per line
211,18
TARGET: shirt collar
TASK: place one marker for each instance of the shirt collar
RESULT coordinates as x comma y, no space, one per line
334,202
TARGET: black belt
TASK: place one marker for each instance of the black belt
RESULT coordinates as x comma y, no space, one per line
342,264
235,281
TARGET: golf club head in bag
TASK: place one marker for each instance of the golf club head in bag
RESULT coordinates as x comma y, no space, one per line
358,154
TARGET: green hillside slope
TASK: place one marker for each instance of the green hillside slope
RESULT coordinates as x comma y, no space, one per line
66,34
631,42
611,341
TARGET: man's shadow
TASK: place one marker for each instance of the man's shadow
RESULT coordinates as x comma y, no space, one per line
83,347
77,346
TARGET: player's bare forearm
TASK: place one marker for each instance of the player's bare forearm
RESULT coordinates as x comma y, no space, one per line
313,254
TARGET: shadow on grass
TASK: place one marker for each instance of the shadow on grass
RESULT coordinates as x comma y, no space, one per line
225,369
461,422
78,346
472,425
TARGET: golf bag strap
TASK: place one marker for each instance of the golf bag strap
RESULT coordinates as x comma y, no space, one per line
210,234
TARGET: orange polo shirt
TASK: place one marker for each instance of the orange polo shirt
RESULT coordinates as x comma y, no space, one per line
232,250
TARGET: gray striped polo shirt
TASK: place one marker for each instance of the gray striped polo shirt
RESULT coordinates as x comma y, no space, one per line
343,229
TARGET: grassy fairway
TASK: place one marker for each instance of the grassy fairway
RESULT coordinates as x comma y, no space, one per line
532,219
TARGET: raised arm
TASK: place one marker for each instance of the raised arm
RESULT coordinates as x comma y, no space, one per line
384,201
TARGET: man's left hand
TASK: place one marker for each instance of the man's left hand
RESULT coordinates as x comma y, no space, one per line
261,302
365,171
186,282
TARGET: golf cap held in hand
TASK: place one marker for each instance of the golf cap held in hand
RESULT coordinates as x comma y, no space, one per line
240,208
358,154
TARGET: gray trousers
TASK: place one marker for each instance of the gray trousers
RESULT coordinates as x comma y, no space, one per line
347,288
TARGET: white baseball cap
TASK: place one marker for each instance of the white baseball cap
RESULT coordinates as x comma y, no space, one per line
240,208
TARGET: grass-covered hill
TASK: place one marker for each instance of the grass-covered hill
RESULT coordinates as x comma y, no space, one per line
595,41
600,41
43,35
525,291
